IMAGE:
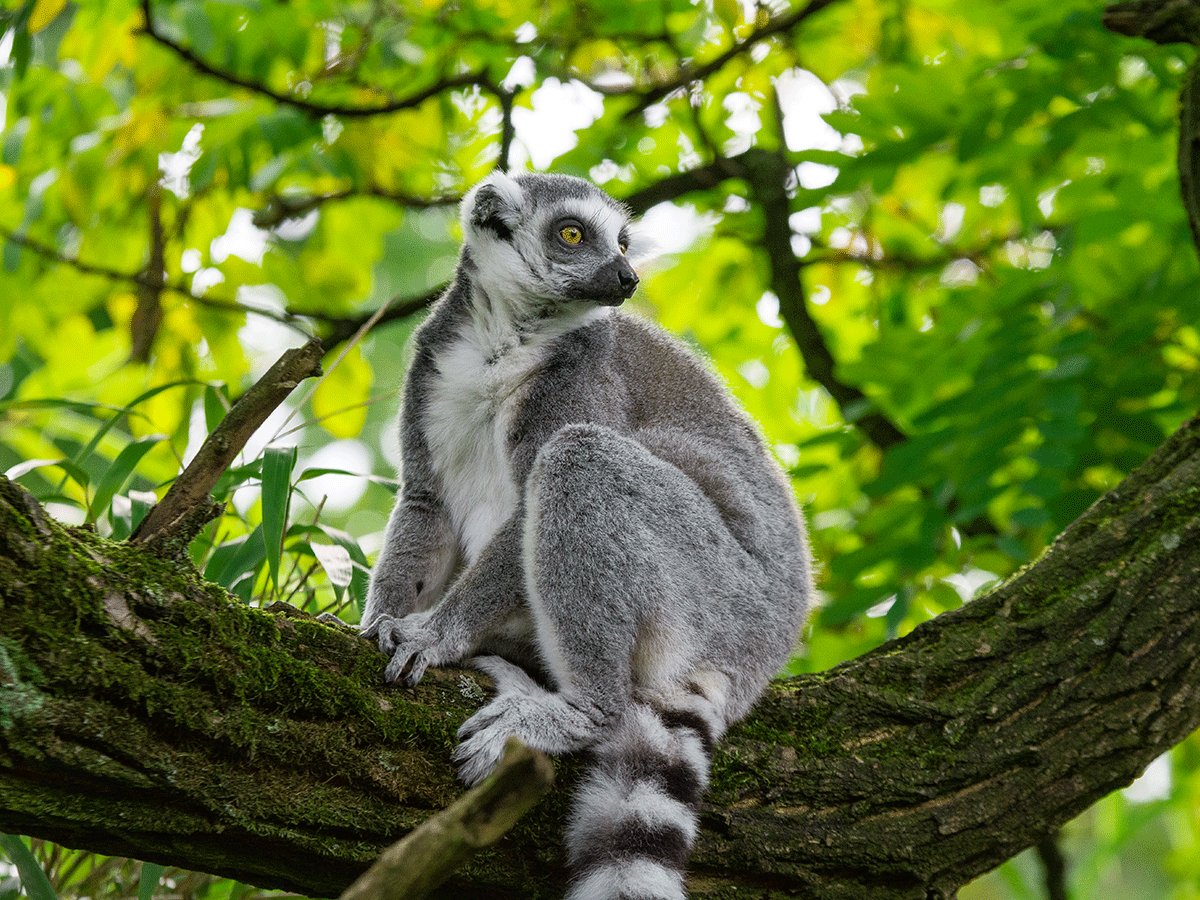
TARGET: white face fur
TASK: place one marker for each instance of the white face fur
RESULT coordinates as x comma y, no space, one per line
543,244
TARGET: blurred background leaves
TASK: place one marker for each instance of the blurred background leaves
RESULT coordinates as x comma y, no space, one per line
935,248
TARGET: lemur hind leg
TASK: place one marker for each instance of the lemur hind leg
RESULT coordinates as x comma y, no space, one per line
622,550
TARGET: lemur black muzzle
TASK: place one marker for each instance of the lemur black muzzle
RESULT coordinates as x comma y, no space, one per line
616,281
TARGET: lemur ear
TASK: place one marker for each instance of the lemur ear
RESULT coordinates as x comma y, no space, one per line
643,247
494,204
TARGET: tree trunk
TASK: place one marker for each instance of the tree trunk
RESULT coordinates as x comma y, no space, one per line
145,713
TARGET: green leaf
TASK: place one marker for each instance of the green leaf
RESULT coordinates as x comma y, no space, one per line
278,463
33,879
151,875
390,483
233,560
362,569
338,566
77,474
216,405
82,456
233,478
22,45
120,470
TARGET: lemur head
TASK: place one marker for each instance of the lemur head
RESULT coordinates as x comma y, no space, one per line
547,241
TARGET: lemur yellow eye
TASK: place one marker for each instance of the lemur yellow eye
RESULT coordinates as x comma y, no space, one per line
571,234
622,247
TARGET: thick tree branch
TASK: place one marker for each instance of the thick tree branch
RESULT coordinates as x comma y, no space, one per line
1172,22
144,713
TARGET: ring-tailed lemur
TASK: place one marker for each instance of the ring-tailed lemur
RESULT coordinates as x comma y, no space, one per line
580,496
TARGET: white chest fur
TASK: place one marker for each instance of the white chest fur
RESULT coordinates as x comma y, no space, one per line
471,404
466,433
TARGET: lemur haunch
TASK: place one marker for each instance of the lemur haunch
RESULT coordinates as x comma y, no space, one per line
581,497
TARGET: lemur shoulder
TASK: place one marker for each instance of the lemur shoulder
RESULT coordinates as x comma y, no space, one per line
588,516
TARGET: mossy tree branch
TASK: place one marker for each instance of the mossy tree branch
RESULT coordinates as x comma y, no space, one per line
145,713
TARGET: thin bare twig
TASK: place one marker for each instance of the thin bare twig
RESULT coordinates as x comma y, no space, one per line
281,209
338,328
312,108
144,280
783,25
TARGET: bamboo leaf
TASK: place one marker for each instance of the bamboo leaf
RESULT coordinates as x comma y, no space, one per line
362,569
232,560
120,470
151,875
278,463
33,879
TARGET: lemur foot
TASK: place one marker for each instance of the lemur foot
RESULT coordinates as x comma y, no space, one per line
542,720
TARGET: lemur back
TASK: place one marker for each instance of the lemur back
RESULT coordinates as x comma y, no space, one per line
588,516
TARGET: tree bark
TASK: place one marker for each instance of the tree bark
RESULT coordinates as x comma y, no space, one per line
144,712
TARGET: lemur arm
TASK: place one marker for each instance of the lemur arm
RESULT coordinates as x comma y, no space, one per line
419,546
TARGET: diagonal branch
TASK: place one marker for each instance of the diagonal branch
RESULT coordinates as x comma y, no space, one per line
312,108
782,25
767,174
176,519
411,868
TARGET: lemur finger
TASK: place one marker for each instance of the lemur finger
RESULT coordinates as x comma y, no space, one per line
398,665
476,758
481,720
415,671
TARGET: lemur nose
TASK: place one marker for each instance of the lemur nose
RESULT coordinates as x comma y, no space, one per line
627,277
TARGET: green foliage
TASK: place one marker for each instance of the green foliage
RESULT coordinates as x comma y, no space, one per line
986,219
33,880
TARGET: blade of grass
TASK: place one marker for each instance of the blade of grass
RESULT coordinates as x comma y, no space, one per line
362,568
78,475
120,470
151,875
278,463
390,483
235,558
91,446
33,879
336,562
216,405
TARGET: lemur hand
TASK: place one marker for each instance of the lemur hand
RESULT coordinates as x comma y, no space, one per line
412,645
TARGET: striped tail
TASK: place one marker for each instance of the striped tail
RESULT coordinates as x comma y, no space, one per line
636,813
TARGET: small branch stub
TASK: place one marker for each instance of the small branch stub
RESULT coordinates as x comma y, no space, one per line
186,508
414,866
